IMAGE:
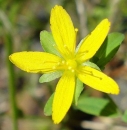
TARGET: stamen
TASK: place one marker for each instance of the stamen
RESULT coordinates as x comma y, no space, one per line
95,75
65,45
54,67
41,70
49,62
63,51
69,67
63,62
76,30
68,51
82,53
90,73
58,63
72,70
55,46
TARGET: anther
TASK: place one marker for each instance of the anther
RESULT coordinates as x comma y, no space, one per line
58,63
76,30
91,73
95,75
72,70
65,46
63,62
54,67
69,67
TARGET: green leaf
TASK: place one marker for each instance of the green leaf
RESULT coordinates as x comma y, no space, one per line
78,89
124,117
50,76
48,106
92,65
97,106
108,49
48,43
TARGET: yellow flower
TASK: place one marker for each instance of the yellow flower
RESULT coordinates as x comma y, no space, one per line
70,62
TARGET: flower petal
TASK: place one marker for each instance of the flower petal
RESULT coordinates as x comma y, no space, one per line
97,80
63,96
34,62
63,30
92,42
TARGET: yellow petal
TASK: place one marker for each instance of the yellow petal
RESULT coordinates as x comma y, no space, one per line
63,30
63,96
98,80
93,41
34,62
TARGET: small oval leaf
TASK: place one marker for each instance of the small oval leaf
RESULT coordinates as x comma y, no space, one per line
92,65
50,76
48,43
78,89
48,106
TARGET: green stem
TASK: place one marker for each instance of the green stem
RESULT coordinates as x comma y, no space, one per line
11,77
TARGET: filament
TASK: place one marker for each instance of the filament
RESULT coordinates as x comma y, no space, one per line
88,73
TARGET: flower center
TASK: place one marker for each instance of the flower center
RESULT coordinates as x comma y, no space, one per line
71,65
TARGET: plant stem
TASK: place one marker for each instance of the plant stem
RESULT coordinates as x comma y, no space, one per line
82,15
11,82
